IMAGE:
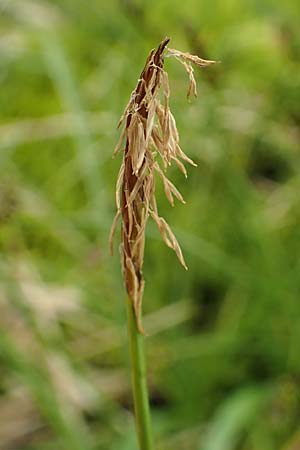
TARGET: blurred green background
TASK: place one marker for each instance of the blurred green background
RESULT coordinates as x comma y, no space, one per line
223,338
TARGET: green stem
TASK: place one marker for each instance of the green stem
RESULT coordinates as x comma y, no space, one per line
139,382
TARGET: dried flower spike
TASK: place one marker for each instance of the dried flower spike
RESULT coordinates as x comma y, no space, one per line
149,128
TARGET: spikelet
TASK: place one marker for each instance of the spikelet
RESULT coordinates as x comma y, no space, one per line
187,60
148,128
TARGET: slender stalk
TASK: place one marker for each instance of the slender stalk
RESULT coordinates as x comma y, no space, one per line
139,382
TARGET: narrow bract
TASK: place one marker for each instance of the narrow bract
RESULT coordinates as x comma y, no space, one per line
149,129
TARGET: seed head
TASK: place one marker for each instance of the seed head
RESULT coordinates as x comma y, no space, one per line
149,129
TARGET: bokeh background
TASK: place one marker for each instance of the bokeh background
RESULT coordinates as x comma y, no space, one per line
223,343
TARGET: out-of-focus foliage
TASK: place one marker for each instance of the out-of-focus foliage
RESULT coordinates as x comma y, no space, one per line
224,338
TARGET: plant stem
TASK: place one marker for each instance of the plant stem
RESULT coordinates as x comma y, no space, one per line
139,382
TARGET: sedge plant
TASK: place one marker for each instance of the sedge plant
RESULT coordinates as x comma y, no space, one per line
150,143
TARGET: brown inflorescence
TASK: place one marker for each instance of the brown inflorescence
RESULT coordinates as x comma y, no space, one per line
149,129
